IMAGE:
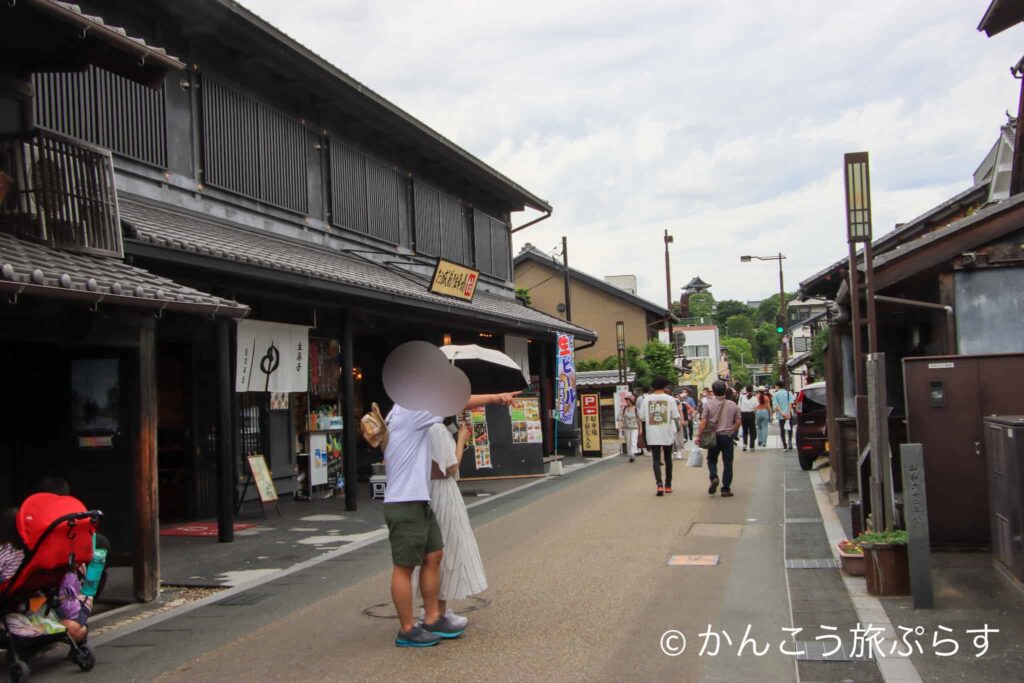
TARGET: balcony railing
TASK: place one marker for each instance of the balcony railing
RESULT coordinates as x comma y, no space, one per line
61,192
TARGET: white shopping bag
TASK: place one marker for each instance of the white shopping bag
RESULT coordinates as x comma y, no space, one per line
696,458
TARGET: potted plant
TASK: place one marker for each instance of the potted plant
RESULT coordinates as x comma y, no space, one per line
886,566
852,557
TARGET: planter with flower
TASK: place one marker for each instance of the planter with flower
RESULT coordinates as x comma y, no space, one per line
886,566
852,557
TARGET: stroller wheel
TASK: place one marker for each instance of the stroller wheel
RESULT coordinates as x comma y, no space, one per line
84,658
18,672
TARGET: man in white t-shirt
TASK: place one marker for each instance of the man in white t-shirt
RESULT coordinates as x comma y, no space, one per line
660,415
412,530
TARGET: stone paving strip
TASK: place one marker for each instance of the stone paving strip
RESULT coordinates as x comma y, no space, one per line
895,669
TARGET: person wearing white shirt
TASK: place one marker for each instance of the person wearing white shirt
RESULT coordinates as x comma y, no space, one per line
660,416
413,530
748,409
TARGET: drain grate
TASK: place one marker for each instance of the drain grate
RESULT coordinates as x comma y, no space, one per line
829,563
243,599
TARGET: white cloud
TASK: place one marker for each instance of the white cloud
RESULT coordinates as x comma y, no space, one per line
724,123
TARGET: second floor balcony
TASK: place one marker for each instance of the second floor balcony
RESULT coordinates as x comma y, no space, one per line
59,191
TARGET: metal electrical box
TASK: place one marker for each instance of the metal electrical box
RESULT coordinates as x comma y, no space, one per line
948,399
1004,448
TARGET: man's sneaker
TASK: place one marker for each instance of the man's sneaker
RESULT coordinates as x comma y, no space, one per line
417,636
726,493
713,487
661,490
631,458
444,628
668,489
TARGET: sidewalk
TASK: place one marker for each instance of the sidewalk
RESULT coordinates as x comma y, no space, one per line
195,567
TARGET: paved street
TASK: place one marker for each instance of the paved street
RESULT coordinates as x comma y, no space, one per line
580,588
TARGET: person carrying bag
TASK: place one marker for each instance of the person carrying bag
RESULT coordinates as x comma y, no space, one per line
720,422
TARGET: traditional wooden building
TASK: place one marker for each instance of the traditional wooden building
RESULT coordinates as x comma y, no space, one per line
150,199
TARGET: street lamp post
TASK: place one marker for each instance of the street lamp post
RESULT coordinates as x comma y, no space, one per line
780,322
668,287
620,348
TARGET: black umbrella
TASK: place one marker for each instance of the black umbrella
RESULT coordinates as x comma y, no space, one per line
489,371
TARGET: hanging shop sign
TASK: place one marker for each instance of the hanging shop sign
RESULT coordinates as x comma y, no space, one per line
451,279
591,404
271,357
565,362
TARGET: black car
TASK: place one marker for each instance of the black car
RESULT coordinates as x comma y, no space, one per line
811,425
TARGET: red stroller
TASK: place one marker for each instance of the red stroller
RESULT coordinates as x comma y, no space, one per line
57,532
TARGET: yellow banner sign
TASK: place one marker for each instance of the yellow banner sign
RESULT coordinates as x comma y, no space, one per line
591,423
451,279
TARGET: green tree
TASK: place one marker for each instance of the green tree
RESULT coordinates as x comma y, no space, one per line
661,360
818,345
727,308
636,362
765,343
702,305
739,353
769,308
738,326
524,294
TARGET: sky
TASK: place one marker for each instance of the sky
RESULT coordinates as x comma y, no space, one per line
724,123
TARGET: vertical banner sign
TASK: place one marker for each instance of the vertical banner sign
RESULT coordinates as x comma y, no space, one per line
591,424
566,366
271,357
481,439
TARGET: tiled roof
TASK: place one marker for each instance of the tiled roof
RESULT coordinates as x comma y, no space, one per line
602,378
72,12
192,233
799,360
34,269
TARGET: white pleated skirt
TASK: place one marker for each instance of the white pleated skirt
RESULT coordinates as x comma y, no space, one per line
462,571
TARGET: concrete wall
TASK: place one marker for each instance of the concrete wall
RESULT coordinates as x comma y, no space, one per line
591,308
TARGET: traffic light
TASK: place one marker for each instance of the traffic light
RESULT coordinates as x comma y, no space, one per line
780,326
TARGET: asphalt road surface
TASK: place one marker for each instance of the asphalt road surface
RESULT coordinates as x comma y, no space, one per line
580,589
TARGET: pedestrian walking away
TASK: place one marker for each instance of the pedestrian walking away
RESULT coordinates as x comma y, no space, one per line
723,416
642,436
763,417
660,416
748,406
782,403
691,413
629,425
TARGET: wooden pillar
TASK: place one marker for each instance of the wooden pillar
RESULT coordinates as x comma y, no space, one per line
226,442
147,522
348,400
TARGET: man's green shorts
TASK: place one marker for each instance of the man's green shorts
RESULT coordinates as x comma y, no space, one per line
413,532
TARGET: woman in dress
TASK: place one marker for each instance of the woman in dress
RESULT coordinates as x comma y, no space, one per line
462,572
629,424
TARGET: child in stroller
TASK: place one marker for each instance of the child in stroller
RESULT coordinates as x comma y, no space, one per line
43,557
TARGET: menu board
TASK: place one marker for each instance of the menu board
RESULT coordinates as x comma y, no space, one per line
261,476
524,414
481,439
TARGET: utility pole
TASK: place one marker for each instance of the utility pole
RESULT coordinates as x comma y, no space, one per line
668,289
784,369
565,276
